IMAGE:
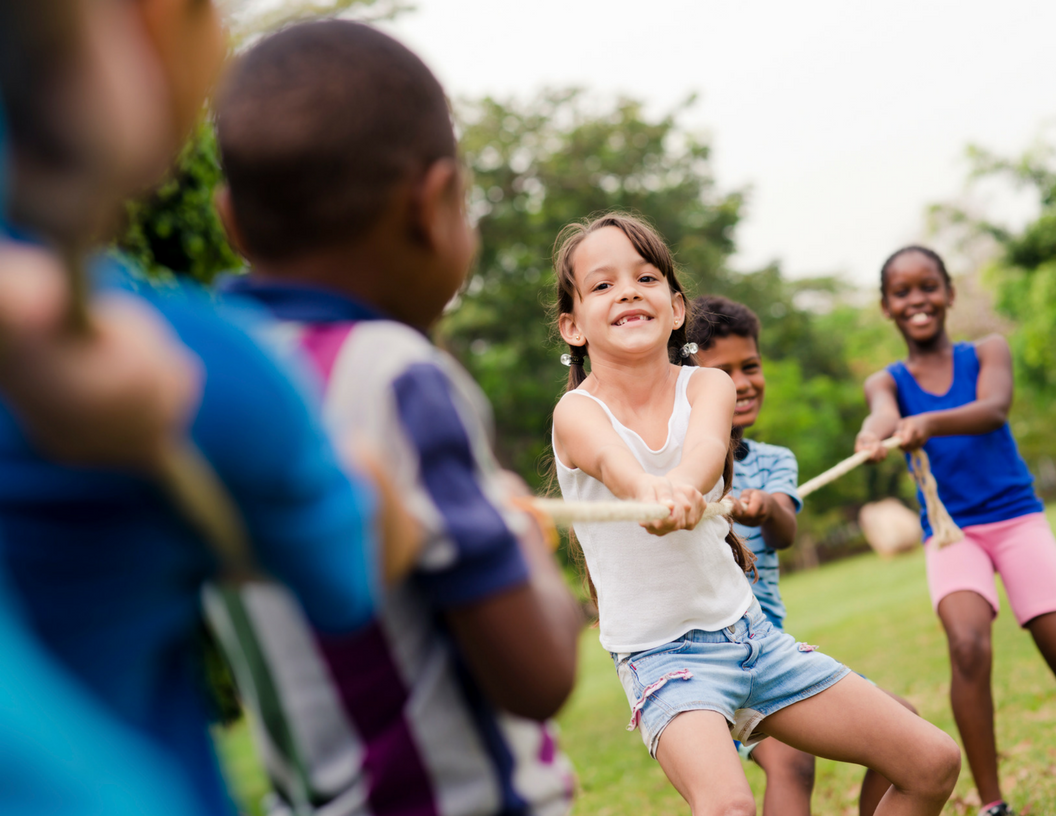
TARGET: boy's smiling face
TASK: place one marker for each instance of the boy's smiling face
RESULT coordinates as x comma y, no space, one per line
739,357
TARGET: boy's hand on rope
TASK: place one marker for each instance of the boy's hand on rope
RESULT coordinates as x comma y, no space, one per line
752,508
685,501
116,396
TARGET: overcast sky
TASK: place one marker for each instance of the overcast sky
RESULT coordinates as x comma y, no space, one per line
846,119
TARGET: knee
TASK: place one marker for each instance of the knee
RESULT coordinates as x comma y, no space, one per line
797,771
938,767
740,804
970,654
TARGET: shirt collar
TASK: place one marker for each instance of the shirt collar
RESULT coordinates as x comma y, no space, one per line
302,302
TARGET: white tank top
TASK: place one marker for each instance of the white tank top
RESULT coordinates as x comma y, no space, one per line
653,589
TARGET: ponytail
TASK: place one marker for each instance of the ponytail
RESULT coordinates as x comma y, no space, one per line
744,557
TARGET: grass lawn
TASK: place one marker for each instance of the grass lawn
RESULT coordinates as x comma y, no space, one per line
873,615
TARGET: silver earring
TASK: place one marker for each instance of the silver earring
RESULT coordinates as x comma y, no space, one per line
689,348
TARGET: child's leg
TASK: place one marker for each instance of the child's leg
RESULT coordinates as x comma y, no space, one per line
874,785
1043,630
968,619
854,721
789,778
697,754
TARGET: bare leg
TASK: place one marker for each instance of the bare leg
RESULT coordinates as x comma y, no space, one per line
789,778
1043,630
874,785
968,620
853,721
698,756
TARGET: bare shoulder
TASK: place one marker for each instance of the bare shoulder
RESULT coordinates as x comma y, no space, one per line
993,348
573,411
880,382
710,383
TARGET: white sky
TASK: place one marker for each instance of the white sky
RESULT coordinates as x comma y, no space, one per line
845,118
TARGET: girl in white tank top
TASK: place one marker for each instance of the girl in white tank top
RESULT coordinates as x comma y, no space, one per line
694,652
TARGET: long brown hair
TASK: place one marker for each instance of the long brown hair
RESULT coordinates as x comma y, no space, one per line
648,243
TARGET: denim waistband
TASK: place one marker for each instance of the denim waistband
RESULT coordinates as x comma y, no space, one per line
750,625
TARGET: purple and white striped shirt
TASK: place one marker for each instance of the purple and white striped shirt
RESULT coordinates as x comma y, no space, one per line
387,721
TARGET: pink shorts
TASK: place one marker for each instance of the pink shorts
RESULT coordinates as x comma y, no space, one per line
1022,550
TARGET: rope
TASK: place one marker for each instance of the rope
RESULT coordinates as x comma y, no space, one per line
844,467
565,514
944,530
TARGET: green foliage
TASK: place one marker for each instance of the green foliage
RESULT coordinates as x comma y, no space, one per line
175,228
538,165
1024,278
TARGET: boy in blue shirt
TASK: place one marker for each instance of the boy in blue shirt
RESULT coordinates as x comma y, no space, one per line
765,478
107,570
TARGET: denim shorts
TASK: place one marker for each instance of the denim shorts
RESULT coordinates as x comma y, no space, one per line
745,672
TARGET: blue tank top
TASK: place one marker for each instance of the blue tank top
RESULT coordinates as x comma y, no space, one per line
981,477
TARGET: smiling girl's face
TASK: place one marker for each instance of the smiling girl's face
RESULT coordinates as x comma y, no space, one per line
623,306
916,297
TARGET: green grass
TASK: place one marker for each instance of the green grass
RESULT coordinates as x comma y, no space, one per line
875,616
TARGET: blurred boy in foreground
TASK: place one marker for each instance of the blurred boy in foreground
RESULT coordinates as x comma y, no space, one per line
346,196
99,94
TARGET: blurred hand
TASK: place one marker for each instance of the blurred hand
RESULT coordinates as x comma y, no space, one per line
115,397
868,441
400,534
686,502
914,431
752,508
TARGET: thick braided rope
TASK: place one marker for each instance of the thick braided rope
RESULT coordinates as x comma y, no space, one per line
944,530
841,469
565,514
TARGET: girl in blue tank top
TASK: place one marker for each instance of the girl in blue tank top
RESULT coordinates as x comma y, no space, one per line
952,400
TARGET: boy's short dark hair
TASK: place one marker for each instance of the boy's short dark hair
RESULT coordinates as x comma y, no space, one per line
317,124
714,316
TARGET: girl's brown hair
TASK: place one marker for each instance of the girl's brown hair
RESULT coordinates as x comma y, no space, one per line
648,243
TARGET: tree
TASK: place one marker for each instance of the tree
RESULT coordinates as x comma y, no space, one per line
174,228
540,164
1023,275
536,166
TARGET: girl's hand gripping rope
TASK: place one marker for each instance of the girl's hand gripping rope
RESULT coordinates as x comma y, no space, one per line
685,502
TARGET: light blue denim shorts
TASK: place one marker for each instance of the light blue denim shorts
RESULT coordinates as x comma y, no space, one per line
746,672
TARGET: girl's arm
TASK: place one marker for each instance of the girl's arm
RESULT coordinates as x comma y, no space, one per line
712,395
881,397
584,438
989,410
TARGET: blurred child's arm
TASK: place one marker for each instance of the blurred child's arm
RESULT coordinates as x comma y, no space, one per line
115,397
881,395
486,570
986,413
521,644
773,513
400,536
585,439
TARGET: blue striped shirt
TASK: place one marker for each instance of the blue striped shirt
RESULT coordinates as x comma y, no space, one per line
772,469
